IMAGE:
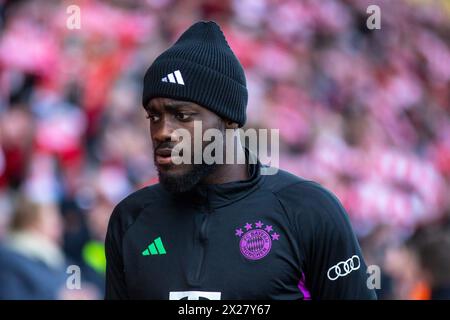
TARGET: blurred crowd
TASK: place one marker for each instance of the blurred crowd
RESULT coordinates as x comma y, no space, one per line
364,112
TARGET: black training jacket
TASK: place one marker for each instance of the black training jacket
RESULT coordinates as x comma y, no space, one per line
268,237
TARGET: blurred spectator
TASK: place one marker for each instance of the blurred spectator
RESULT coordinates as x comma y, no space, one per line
403,267
432,247
32,264
85,237
418,267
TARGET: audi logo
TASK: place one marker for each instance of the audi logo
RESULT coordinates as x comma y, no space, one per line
343,268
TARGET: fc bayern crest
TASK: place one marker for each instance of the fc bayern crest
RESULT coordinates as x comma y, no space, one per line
256,243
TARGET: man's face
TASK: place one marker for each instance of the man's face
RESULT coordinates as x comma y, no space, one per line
167,115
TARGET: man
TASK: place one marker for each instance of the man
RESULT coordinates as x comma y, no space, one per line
223,231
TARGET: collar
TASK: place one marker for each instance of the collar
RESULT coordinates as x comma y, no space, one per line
213,196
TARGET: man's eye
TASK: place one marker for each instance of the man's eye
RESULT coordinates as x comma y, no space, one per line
152,117
183,116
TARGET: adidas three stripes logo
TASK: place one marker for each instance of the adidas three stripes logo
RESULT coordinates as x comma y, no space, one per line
154,248
174,77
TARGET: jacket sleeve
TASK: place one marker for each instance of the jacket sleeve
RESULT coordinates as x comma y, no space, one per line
333,264
115,278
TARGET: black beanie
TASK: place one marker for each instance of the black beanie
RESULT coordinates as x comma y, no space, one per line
200,67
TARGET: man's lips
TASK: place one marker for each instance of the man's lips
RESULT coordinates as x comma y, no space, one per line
163,156
163,152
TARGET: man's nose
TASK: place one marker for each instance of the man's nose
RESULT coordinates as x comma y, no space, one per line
163,131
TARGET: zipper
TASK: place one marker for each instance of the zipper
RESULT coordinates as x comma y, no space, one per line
203,239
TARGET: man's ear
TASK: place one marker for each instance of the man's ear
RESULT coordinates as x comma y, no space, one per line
230,124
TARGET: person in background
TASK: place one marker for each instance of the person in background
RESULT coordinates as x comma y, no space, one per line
432,247
32,264
419,266
93,250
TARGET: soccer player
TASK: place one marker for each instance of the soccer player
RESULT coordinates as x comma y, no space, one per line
223,231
